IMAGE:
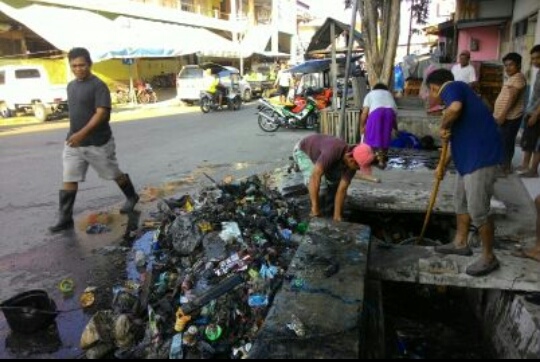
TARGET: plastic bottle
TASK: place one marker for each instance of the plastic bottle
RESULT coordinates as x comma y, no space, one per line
176,351
302,228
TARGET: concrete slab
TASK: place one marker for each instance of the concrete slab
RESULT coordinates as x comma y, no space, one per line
417,264
418,122
407,191
325,292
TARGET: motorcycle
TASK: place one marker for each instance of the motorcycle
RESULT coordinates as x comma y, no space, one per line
210,102
302,115
146,94
229,80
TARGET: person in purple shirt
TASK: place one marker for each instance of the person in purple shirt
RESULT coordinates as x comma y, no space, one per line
476,149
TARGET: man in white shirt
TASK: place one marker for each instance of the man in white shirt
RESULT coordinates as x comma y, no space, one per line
284,79
464,70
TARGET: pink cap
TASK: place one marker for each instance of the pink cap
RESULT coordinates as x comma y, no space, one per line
364,156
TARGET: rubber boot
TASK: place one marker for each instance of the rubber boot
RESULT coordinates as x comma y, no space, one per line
65,220
131,196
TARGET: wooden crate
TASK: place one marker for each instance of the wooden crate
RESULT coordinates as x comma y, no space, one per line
330,122
412,87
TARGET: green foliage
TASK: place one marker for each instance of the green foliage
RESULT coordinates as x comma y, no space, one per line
420,11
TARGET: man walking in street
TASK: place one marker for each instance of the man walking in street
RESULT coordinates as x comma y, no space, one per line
476,148
284,80
90,141
328,165
530,141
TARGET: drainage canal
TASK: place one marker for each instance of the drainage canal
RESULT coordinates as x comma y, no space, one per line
413,321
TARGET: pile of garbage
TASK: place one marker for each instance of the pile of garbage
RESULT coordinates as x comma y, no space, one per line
204,274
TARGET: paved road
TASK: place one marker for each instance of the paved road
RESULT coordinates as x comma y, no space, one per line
152,150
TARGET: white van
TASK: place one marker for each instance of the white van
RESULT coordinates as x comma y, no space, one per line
192,80
26,88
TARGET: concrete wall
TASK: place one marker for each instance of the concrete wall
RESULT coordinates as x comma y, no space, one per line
494,8
511,325
489,40
524,8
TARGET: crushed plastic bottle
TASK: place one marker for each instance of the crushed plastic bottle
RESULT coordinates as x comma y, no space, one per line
176,351
140,259
190,337
302,228
286,234
236,262
258,301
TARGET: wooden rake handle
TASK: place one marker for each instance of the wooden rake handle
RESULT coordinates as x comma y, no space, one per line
435,192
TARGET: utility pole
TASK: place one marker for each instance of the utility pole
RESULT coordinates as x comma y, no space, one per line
347,72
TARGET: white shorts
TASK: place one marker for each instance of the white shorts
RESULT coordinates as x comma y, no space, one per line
102,159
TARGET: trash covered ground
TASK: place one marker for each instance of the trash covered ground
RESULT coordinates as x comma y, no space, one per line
205,267
201,275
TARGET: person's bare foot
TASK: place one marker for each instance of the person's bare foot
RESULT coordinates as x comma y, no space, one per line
529,174
533,254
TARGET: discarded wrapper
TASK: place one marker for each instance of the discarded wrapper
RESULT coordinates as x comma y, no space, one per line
297,326
87,299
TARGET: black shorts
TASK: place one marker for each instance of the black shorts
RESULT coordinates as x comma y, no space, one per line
530,138
284,91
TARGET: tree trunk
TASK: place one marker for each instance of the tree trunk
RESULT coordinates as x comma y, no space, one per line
380,26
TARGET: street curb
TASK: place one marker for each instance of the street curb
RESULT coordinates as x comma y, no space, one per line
124,115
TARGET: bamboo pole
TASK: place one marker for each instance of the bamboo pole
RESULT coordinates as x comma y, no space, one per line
347,72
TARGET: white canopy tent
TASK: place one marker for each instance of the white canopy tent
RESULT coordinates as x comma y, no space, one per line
123,37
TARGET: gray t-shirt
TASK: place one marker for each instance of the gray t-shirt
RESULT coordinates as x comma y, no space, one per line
84,97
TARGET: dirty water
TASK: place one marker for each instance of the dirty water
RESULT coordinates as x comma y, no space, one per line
410,159
61,340
423,322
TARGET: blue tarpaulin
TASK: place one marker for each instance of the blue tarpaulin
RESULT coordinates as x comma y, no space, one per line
318,65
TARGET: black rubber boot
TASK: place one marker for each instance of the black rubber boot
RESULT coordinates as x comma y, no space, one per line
132,197
65,220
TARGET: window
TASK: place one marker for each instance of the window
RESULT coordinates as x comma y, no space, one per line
2,78
520,28
191,73
27,73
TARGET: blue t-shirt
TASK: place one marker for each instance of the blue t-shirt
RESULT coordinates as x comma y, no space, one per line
476,140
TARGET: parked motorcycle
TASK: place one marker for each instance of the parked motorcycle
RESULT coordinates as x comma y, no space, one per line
146,94
210,102
273,116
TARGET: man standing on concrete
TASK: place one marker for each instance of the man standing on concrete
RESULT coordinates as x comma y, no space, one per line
510,106
476,146
90,141
328,165
464,70
530,141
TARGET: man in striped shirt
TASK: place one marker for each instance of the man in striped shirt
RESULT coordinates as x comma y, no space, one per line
510,106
